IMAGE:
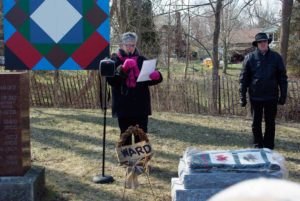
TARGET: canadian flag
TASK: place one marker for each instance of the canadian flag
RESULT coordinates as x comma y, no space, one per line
222,158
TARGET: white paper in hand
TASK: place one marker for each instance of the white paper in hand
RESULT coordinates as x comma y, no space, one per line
147,68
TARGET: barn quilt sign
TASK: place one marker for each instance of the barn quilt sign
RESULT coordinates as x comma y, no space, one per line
55,34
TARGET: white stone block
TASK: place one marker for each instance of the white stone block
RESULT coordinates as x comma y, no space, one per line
179,193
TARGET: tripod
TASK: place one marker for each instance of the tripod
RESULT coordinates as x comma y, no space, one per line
102,178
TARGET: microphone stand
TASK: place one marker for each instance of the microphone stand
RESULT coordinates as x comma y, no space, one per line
102,178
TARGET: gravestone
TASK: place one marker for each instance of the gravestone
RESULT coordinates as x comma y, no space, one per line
18,180
15,159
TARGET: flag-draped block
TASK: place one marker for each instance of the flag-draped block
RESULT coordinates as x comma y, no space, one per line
204,173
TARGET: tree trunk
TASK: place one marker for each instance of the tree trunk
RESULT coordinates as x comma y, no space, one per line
225,55
187,50
138,4
118,10
169,42
225,29
287,7
122,17
215,54
178,36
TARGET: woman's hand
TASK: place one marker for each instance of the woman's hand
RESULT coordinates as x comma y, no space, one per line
128,64
155,75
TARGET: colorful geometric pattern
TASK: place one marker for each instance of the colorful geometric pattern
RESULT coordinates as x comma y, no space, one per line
55,34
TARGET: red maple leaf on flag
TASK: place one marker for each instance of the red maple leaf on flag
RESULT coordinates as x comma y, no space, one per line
221,157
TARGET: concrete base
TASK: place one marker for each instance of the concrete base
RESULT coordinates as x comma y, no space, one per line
179,193
29,187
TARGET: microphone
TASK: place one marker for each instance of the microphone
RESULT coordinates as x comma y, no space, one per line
107,67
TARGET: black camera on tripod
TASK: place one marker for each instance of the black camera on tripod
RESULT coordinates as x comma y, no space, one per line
107,67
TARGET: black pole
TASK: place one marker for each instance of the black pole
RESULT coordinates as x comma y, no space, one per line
102,178
104,129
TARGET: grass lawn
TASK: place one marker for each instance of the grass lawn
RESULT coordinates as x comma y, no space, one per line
196,69
67,142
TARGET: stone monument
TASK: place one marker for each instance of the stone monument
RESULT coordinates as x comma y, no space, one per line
18,180
14,124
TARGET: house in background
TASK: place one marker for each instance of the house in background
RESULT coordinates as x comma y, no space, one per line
241,42
273,32
173,39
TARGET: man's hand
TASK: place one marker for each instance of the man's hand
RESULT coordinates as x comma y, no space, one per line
243,102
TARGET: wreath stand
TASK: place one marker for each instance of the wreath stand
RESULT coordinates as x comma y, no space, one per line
138,165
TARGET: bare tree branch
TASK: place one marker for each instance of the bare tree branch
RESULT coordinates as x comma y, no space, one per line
200,43
190,7
246,5
212,6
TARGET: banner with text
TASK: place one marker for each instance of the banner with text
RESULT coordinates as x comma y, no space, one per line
134,152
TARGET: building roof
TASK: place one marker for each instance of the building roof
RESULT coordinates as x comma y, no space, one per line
244,36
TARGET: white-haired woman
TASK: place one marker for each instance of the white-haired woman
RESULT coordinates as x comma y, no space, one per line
131,102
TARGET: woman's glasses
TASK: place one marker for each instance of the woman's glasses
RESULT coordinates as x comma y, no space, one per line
129,45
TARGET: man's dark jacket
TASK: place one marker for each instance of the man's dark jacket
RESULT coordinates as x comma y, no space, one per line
264,75
130,102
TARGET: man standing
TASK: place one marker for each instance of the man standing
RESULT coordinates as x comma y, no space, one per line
263,75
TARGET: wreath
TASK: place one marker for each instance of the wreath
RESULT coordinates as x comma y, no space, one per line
132,130
134,167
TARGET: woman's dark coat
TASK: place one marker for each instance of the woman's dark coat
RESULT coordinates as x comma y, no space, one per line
130,102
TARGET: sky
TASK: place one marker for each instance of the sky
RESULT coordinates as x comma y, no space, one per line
273,4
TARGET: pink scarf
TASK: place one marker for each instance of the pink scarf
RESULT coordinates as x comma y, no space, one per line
133,73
